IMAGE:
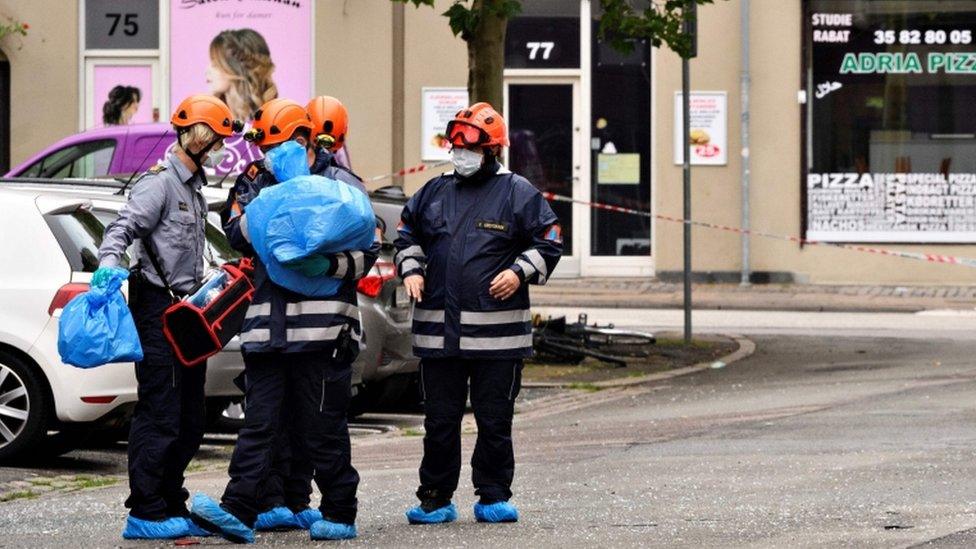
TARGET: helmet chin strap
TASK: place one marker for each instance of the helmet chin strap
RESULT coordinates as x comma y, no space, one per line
197,157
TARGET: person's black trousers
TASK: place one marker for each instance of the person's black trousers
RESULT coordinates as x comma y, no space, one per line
494,386
290,482
169,421
312,394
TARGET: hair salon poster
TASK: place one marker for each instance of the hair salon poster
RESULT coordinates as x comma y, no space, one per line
245,52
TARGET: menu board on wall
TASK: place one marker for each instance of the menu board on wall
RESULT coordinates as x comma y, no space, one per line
891,144
709,128
439,105
891,207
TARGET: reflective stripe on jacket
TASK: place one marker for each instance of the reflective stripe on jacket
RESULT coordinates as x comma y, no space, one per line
282,320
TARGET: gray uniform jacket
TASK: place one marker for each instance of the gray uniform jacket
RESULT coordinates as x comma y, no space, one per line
167,207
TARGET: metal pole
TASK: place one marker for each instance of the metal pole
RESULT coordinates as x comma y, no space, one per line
397,111
691,29
745,84
686,118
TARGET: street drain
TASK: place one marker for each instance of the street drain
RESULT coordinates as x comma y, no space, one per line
897,527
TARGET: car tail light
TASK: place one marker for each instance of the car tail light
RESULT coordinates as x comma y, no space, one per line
65,294
98,399
371,284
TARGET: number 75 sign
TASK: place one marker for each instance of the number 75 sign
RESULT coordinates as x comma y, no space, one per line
115,25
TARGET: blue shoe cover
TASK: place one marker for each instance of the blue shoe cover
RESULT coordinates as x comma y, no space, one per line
171,528
500,511
305,519
195,531
324,529
417,515
206,513
279,518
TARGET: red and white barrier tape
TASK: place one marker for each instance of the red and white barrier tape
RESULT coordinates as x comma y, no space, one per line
932,258
407,171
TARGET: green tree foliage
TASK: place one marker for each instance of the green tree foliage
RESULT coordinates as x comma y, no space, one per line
660,22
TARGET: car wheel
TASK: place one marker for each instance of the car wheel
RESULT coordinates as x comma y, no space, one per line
24,406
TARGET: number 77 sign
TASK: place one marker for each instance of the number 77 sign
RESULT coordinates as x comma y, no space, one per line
535,47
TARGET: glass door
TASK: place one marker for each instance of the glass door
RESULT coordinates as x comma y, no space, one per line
619,126
545,142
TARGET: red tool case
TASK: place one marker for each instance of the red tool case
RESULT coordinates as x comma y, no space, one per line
197,333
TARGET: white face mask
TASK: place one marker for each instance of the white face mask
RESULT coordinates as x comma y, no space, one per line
214,158
466,162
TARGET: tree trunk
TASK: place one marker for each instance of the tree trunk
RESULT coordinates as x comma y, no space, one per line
486,56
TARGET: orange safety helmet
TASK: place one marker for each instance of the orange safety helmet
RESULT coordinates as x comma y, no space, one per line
206,109
330,121
276,121
478,125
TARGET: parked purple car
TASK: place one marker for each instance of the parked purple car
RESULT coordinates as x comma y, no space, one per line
123,150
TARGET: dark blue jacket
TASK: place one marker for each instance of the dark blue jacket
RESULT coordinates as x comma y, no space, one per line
326,165
278,319
459,233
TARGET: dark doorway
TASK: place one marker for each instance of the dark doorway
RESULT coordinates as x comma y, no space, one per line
540,126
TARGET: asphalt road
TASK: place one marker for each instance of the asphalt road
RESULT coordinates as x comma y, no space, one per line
813,441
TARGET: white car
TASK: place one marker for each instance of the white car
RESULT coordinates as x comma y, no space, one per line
50,242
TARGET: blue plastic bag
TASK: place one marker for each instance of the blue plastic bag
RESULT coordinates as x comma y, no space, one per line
96,327
306,215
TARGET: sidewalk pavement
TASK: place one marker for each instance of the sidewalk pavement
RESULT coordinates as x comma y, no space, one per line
654,294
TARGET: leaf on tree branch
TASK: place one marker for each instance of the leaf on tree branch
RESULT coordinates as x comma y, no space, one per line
661,23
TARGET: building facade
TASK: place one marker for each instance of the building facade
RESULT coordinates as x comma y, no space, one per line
859,119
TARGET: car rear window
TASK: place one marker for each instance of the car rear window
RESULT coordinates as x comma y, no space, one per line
218,250
79,234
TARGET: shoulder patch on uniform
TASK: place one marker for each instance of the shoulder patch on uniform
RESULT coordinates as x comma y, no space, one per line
252,172
156,169
555,233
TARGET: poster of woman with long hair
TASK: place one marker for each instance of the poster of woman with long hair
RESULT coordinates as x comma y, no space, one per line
241,71
245,53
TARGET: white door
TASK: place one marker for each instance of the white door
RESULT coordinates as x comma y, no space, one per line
542,114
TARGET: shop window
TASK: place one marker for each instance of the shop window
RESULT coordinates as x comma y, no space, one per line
890,121
620,147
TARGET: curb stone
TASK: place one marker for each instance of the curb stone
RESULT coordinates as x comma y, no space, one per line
746,348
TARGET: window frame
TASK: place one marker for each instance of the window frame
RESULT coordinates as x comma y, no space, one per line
807,143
